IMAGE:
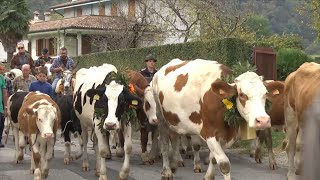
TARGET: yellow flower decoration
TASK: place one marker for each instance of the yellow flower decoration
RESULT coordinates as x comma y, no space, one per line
227,103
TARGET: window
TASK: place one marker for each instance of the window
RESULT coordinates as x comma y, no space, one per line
132,8
50,44
79,12
114,9
102,10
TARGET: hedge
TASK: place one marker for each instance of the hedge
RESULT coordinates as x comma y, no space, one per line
226,51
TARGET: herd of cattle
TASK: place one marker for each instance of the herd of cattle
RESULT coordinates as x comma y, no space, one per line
184,98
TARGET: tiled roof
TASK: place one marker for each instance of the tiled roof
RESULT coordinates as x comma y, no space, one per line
82,22
71,3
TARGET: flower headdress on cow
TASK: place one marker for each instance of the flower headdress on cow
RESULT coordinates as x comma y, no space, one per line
232,115
129,114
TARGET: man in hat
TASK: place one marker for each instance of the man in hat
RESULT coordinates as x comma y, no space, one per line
43,59
150,69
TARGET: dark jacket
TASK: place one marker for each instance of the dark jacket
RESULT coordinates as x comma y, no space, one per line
17,61
41,61
148,75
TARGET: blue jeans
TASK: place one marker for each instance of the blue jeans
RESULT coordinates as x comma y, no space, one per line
54,85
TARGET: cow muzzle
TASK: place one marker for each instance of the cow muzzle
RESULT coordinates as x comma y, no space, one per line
48,135
154,122
263,122
110,126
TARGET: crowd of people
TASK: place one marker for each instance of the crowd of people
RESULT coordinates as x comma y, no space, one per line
34,75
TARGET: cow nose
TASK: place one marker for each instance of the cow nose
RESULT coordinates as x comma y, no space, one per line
110,126
48,135
154,121
263,122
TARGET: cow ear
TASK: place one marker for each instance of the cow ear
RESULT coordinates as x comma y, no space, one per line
96,94
223,89
274,88
133,100
31,111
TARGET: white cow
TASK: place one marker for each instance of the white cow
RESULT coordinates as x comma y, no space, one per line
99,87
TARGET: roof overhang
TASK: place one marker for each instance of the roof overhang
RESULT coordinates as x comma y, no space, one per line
69,31
77,5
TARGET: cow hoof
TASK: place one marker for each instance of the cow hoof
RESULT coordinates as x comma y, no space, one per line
189,155
182,151
108,156
45,173
180,164
103,177
20,158
214,161
258,160
167,178
85,169
97,173
66,161
166,174
209,178
37,174
120,153
197,168
273,165
206,161
31,171
113,147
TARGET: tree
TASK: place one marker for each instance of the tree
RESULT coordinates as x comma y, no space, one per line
220,19
134,29
13,24
315,9
175,17
258,24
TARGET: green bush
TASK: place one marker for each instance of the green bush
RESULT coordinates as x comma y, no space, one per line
277,42
226,51
289,60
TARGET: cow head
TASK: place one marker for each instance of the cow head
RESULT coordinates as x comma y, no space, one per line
67,80
46,115
149,105
251,98
114,98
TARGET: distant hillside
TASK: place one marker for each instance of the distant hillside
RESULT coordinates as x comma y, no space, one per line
42,5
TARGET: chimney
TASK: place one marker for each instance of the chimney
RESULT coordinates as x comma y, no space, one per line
46,16
36,16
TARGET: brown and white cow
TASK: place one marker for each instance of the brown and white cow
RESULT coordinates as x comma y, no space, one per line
144,91
39,118
276,113
189,100
301,87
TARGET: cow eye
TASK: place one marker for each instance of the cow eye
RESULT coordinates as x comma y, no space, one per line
40,120
243,96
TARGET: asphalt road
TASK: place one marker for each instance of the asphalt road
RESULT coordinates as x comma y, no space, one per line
242,168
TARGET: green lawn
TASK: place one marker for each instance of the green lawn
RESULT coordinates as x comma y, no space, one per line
244,146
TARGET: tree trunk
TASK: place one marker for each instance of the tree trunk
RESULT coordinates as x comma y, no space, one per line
9,57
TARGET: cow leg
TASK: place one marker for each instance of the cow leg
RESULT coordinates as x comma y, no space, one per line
21,147
101,168
109,155
291,126
189,151
210,172
85,162
196,147
44,162
155,149
78,136
124,172
67,158
144,141
114,140
177,160
221,158
164,140
297,157
16,142
258,141
120,146
268,141
36,156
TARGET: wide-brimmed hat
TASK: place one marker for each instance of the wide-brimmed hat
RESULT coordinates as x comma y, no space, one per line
150,57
